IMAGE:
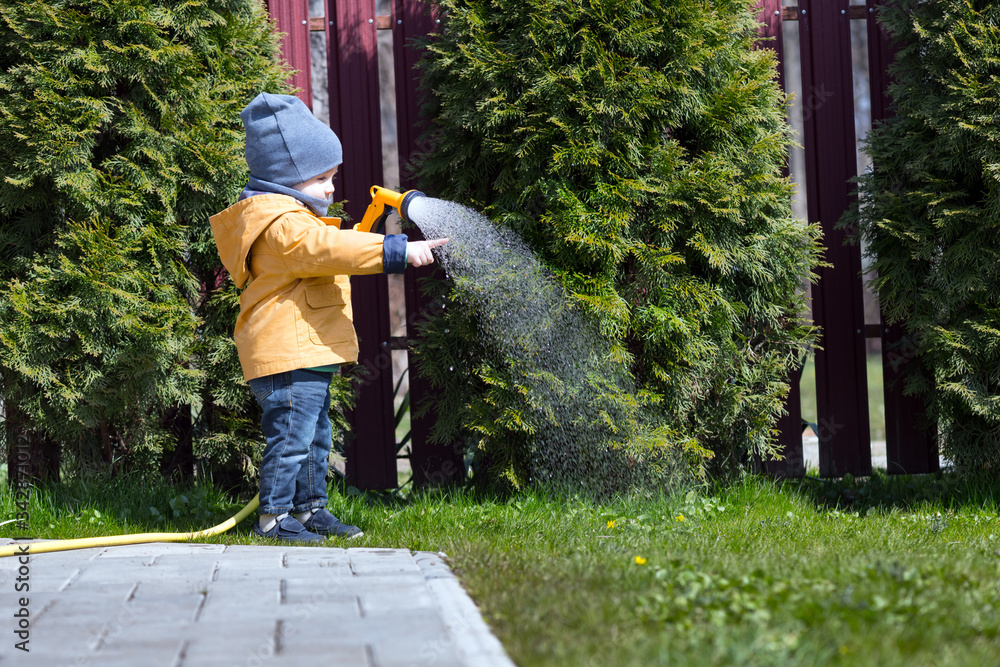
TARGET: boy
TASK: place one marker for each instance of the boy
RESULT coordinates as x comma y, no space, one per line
295,324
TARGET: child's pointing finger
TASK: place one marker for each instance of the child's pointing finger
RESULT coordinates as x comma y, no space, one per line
418,253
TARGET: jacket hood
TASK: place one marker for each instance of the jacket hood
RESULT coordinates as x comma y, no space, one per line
236,228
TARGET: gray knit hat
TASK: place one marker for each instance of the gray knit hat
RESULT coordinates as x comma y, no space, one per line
286,144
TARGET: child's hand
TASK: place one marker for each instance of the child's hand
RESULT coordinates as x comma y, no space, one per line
419,253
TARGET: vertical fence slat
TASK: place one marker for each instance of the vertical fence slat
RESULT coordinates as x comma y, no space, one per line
411,19
910,445
292,18
789,426
769,16
433,463
354,115
828,105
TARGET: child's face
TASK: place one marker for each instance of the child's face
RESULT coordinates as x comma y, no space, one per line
320,186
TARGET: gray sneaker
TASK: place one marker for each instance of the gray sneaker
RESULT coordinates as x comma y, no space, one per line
324,523
288,529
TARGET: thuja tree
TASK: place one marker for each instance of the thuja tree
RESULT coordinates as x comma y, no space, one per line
929,210
119,136
637,146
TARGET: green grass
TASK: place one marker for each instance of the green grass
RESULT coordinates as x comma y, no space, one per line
882,571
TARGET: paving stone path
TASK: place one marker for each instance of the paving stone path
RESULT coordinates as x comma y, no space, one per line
182,605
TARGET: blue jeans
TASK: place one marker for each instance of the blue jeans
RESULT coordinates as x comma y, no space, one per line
296,423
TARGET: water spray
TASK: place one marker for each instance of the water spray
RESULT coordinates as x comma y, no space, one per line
583,423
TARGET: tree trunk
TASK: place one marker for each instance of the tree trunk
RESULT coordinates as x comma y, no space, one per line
180,460
29,452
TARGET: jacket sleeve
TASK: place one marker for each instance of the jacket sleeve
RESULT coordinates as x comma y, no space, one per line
394,253
308,248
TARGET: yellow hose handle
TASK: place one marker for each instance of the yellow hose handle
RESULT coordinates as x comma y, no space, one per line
29,548
383,201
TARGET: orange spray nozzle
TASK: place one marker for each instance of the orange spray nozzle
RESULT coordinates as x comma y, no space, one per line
383,201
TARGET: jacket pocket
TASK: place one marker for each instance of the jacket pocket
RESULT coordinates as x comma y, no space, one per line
327,294
328,316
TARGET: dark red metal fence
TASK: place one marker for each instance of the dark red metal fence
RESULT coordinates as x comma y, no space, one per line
829,141
830,148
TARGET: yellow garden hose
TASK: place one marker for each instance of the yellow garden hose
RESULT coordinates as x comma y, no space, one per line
27,548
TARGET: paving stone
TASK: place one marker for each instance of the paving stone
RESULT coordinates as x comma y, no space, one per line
49,582
159,549
356,584
247,576
406,598
244,559
39,602
208,652
324,615
43,657
188,605
269,588
320,557
430,653
166,586
181,563
150,633
381,561
314,590
56,559
231,642
307,654
154,643
119,586
253,550
220,606
169,608
66,633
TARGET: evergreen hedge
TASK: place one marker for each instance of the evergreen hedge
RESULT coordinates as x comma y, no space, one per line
119,136
929,210
638,147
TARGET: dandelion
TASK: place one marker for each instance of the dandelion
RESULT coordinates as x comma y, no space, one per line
639,560
679,517
611,524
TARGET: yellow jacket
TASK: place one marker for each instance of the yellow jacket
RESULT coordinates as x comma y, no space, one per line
296,310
